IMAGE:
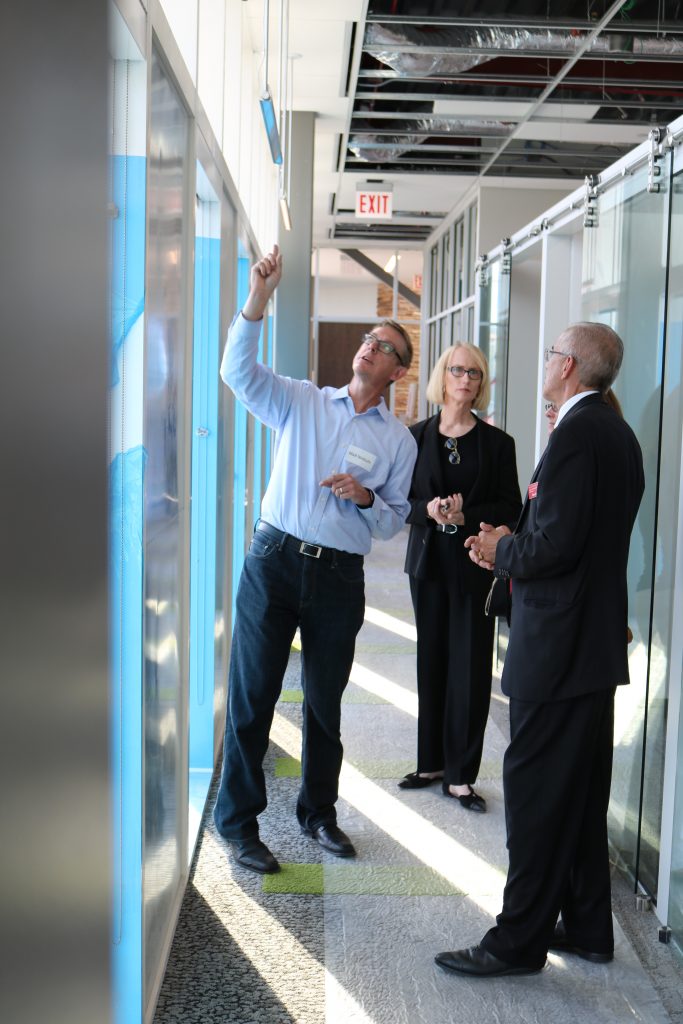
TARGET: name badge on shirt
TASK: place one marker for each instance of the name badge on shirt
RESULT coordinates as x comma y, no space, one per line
533,489
359,457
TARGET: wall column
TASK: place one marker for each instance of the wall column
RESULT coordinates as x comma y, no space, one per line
293,298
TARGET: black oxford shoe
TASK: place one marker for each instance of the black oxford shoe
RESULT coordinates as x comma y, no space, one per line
255,855
479,963
332,839
561,944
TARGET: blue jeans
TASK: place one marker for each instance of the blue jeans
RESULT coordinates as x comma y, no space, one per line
280,589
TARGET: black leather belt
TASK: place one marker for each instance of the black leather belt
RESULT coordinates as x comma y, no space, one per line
448,528
303,547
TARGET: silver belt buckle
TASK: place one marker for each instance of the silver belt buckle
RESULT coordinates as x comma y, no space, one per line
448,528
312,550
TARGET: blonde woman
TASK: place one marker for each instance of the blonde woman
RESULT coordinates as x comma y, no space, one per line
465,474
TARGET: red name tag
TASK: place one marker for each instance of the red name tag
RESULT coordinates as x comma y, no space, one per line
533,489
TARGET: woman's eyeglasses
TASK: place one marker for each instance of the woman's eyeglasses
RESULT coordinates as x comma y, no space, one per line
460,371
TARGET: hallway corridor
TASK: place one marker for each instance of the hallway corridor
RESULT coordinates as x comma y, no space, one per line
337,942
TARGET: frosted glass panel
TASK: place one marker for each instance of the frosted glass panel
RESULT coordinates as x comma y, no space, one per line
494,321
624,285
165,602
672,431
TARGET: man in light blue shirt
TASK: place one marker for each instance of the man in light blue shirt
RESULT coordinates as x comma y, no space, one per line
341,475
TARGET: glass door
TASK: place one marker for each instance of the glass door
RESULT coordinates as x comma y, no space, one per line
205,380
624,284
494,323
669,599
166,526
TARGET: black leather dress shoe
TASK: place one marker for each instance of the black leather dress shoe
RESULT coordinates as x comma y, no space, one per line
479,963
470,801
561,944
332,839
255,855
416,781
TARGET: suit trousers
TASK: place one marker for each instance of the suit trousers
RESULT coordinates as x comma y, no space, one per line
557,774
281,589
454,663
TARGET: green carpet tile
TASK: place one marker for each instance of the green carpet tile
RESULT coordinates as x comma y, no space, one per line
366,647
351,880
290,768
351,696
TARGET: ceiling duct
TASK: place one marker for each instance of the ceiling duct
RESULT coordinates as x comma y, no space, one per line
363,148
498,39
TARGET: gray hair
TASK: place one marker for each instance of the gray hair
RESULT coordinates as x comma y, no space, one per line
598,351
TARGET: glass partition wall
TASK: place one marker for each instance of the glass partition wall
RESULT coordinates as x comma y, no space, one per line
166,521
625,285
668,598
449,313
494,313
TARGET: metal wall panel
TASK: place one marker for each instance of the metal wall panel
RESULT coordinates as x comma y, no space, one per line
55,894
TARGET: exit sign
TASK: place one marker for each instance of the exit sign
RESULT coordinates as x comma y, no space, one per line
374,205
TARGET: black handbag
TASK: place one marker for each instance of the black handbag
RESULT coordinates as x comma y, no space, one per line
499,598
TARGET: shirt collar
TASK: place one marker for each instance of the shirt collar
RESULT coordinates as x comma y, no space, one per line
571,402
381,408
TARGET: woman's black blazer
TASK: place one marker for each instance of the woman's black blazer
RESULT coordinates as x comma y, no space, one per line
494,498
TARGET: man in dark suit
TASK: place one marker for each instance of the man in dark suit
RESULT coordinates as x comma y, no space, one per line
567,652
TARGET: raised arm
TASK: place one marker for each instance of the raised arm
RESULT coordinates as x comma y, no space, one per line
263,280
263,392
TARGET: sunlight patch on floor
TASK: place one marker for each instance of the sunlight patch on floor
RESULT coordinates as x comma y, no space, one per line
465,870
390,622
283,962
380,686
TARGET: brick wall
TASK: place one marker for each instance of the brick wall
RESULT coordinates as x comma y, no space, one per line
385,302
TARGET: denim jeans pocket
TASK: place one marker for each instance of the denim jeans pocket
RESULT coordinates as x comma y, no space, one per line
262,545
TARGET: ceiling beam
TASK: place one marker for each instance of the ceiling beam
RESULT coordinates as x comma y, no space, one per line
381,274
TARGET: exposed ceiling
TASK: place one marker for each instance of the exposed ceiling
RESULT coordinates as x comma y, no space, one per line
429,95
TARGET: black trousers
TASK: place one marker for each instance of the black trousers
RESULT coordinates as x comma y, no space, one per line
556,775
454,662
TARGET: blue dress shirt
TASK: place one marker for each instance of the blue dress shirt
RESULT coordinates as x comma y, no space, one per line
320,433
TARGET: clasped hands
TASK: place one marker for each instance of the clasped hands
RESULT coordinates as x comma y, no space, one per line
347,488
482,547
446,511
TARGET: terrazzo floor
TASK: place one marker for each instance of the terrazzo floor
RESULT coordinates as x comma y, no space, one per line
353,942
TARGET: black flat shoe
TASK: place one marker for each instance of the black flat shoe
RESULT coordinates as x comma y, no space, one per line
470,801
416,781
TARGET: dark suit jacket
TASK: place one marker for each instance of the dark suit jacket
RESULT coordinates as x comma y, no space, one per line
568,556
494,498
